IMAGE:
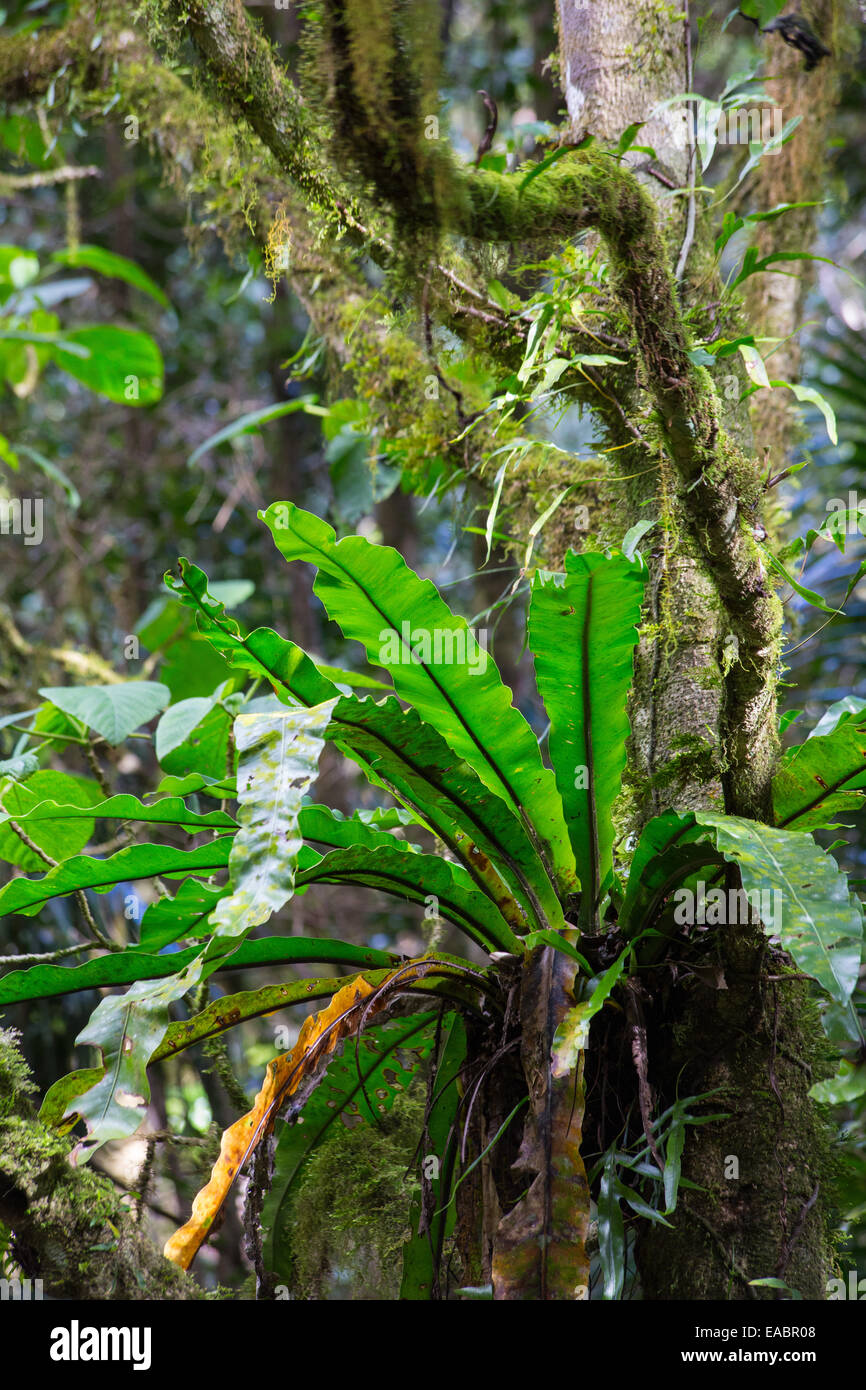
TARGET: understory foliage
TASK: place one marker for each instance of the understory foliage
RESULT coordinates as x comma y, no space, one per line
526,871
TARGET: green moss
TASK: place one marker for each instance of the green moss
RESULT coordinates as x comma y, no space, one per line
70,1227
350,1212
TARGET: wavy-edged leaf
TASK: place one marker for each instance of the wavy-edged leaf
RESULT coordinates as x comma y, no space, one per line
58,838
372,1071
184,915
27,895
231,1009
262,653
411,759
170,810
290,1078
278,758
583,631
539,1249
369,590
823,777
669,850
321,825
125,967
396,750
114,711
417,877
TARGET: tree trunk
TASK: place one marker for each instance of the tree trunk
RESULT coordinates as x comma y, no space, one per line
752,1040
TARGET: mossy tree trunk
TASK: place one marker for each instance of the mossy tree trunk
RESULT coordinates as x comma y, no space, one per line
742,1029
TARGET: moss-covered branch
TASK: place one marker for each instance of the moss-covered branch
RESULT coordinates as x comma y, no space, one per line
379,116
69,1226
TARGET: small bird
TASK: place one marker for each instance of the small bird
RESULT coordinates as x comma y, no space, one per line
797,31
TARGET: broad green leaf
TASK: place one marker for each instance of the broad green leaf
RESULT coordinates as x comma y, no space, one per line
847,1085
126,1028
262,653
582,627
372,1071
60,836
436,664
836,713
127,967
114,711
170,810
277,763
432,1215
816,918
231,1009
418,877
669,850
120,363
178,722
110,264
27,895
395,749
822,923
321,825
187,914
823,777
207,747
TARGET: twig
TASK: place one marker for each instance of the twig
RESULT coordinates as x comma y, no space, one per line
45,957
487,138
